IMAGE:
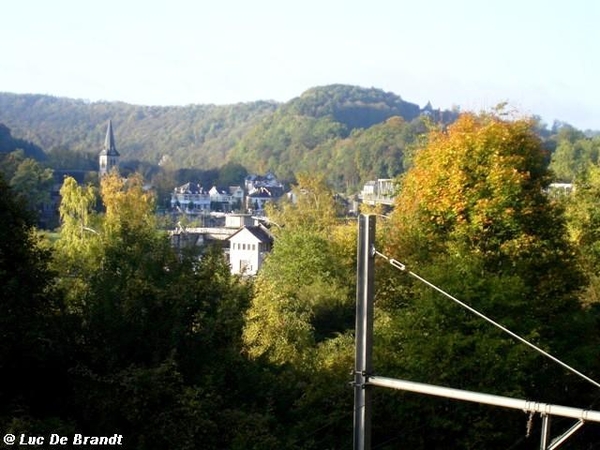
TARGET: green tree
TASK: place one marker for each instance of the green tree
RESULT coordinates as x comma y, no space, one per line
10,163
28,178
472,216
311,206
78,247
78,218
571,158
583,216
481,185
159,346
32,352
302,314
300,320
231,174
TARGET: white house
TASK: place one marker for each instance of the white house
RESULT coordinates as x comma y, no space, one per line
256,200
378,191
248,248
226,199
261,189
218,196
190,196
237,196
253,182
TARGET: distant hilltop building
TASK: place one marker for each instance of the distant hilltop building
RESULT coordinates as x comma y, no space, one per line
109,156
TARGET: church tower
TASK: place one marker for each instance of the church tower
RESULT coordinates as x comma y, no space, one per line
109,156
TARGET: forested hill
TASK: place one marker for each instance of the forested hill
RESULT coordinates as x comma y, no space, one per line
194,135
8,144
353,106
261,134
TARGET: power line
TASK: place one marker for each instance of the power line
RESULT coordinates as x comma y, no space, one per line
402,267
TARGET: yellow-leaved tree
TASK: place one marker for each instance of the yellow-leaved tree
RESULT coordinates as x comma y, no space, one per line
301,316
127,204
473,216
479,183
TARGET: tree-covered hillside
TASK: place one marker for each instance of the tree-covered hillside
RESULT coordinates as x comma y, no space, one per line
189,136
305,133
353,106
9,144
109,329
340,130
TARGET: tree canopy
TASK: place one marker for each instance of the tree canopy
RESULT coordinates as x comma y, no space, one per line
472,216
286,138
112,330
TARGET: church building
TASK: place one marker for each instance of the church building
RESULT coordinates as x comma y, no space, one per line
109,156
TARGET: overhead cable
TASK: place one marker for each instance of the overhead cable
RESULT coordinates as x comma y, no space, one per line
402,267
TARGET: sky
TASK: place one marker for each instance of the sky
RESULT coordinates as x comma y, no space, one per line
539,56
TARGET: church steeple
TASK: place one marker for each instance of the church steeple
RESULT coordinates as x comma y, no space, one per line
109,156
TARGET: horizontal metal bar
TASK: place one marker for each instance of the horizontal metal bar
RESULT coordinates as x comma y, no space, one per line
488,399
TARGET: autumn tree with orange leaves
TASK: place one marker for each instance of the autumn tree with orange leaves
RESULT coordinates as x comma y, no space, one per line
479,188
473,216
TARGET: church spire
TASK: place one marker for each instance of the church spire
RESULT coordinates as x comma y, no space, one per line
109,156
109,142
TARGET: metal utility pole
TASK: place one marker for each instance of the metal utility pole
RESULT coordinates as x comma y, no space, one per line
364,331
365,380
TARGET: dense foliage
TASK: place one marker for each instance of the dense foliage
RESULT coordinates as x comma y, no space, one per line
352,106
306,133
472,216
109,330
192,136
32,328
573,152
21,164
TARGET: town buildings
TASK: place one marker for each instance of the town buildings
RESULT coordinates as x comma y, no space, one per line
192,198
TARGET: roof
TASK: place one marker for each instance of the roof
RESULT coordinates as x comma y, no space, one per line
109,149
258,231
218,190
189,188
266,192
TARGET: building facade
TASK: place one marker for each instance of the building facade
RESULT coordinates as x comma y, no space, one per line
248,248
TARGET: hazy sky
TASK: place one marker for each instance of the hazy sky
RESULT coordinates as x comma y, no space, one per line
540,56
